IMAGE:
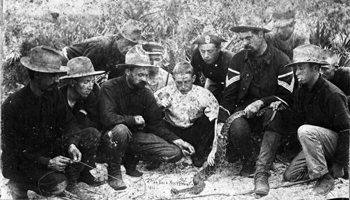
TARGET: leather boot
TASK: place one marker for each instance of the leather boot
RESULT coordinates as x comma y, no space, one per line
72,173
17,192
130,161
261,183
265,160
115,179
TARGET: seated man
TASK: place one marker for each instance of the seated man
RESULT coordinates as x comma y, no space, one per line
322,111
210,64
190,113
81,95
40,136
259,79
338,75
132,119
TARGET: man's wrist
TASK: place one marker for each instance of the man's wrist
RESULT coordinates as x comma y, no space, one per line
71,146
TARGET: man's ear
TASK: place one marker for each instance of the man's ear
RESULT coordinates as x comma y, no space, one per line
261,34
127,71
193,78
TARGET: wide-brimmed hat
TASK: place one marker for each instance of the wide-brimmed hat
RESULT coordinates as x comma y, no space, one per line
80,67
132,31
283,18
44,59
243,29
137,57
308,53
153,48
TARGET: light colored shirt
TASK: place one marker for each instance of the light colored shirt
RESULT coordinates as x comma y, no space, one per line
184,109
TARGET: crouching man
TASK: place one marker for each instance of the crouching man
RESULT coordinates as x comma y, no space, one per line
190,113
323,112
133,122
40,136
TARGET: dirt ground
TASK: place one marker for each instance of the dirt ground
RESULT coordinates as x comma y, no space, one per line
224,184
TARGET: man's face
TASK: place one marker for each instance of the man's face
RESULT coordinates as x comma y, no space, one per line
305,73
252,42
47,81
327,71
209,52
84,85
184,82
137,77
284,32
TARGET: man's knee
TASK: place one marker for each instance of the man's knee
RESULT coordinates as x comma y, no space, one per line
90,137
305,132
120,133
177,154
239,128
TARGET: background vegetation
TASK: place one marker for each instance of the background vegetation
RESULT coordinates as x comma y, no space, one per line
174,23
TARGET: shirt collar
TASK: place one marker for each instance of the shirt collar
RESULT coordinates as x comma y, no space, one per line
266,56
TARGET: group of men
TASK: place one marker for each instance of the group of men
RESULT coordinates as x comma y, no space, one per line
51,136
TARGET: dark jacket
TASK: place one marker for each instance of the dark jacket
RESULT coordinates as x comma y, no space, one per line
89,105
325,106
102,51
215,72
34,130
251,78
118,104
341,79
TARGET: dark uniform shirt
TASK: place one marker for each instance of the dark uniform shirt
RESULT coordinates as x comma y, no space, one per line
102,51
216,71
341,79
325,106
118,104
252,78
35,129
89,105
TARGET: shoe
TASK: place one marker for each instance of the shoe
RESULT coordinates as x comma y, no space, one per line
79,193
134,172
324,185
116,183
247,169
153,166
90,180
261,183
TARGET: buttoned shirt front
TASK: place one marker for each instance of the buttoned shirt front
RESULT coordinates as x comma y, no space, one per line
184,109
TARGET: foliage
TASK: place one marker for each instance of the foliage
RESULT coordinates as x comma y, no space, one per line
174,23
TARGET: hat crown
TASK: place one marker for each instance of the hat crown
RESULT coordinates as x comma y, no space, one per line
132,30
307,53
283,15
137,56
44,59
80,66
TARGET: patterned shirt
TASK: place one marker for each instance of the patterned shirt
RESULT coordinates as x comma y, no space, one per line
184,109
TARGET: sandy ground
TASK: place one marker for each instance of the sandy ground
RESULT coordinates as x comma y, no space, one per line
224,184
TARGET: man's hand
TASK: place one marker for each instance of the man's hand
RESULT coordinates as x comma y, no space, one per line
58,163
165,103
74,153
186,148
336,171
140,121
253,108
277,105
218,130
211,158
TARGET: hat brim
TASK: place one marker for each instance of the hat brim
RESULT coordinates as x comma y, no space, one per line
300,62
26,62
243,29
283,22
132,65
82,75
